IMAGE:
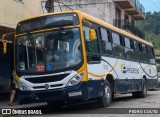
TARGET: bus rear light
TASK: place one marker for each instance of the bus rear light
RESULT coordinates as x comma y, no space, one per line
76,79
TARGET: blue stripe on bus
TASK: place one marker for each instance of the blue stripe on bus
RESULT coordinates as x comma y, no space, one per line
128,85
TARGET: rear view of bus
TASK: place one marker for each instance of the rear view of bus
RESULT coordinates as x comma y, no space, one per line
49,58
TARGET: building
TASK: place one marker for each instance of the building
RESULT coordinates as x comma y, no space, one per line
120,13
12,11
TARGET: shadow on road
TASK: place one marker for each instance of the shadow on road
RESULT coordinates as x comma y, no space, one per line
89,107
85,108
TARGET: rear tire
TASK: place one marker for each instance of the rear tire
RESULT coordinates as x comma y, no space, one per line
106,99
143,92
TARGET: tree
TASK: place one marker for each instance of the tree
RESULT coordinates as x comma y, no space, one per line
151,27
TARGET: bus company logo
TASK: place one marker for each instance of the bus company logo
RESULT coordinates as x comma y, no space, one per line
123,68
128,69
46,86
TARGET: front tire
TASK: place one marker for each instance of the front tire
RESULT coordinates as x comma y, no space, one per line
106,99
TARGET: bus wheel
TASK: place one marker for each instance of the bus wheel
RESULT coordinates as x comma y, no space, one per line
143,92
55,105
106,99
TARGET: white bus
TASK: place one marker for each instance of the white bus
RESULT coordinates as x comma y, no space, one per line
71,56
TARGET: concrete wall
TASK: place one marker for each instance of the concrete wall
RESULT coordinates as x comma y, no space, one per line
11,11
101,9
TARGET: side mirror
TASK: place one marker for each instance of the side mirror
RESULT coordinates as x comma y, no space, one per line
94,58
92,35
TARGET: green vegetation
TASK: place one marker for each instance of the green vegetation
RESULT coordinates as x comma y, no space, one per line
158,68
151,27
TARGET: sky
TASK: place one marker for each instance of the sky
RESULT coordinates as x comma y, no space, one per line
151,5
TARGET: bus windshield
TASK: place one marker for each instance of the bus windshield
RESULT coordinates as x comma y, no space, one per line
48,51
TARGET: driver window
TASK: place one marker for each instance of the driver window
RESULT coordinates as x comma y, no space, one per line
91,46
87,41
22,53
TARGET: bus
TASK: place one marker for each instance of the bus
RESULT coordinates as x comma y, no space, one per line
71,56
6,61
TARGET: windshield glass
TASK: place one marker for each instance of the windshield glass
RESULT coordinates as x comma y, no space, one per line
48,51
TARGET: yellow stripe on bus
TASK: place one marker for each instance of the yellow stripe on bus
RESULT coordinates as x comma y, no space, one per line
95,75
100,76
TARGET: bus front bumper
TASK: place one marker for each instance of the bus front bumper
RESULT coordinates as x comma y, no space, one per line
78,92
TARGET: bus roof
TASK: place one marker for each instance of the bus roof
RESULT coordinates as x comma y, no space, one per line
97,21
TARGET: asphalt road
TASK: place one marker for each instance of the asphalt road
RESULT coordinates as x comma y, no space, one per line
120,106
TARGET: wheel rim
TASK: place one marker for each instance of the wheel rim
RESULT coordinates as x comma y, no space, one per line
107,94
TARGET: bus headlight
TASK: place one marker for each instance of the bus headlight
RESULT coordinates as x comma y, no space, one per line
76,79
23,87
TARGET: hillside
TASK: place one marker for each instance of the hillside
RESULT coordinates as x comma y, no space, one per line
151,27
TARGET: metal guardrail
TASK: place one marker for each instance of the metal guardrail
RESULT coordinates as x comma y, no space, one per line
139,6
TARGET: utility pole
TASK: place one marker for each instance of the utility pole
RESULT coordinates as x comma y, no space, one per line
49,6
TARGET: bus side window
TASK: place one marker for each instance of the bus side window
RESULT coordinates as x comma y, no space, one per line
87,41
145,57
105,42
146,47
118,50
140,51
129,48
151,55
136,51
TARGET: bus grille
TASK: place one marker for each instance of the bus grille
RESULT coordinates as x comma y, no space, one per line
46,79
57,85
